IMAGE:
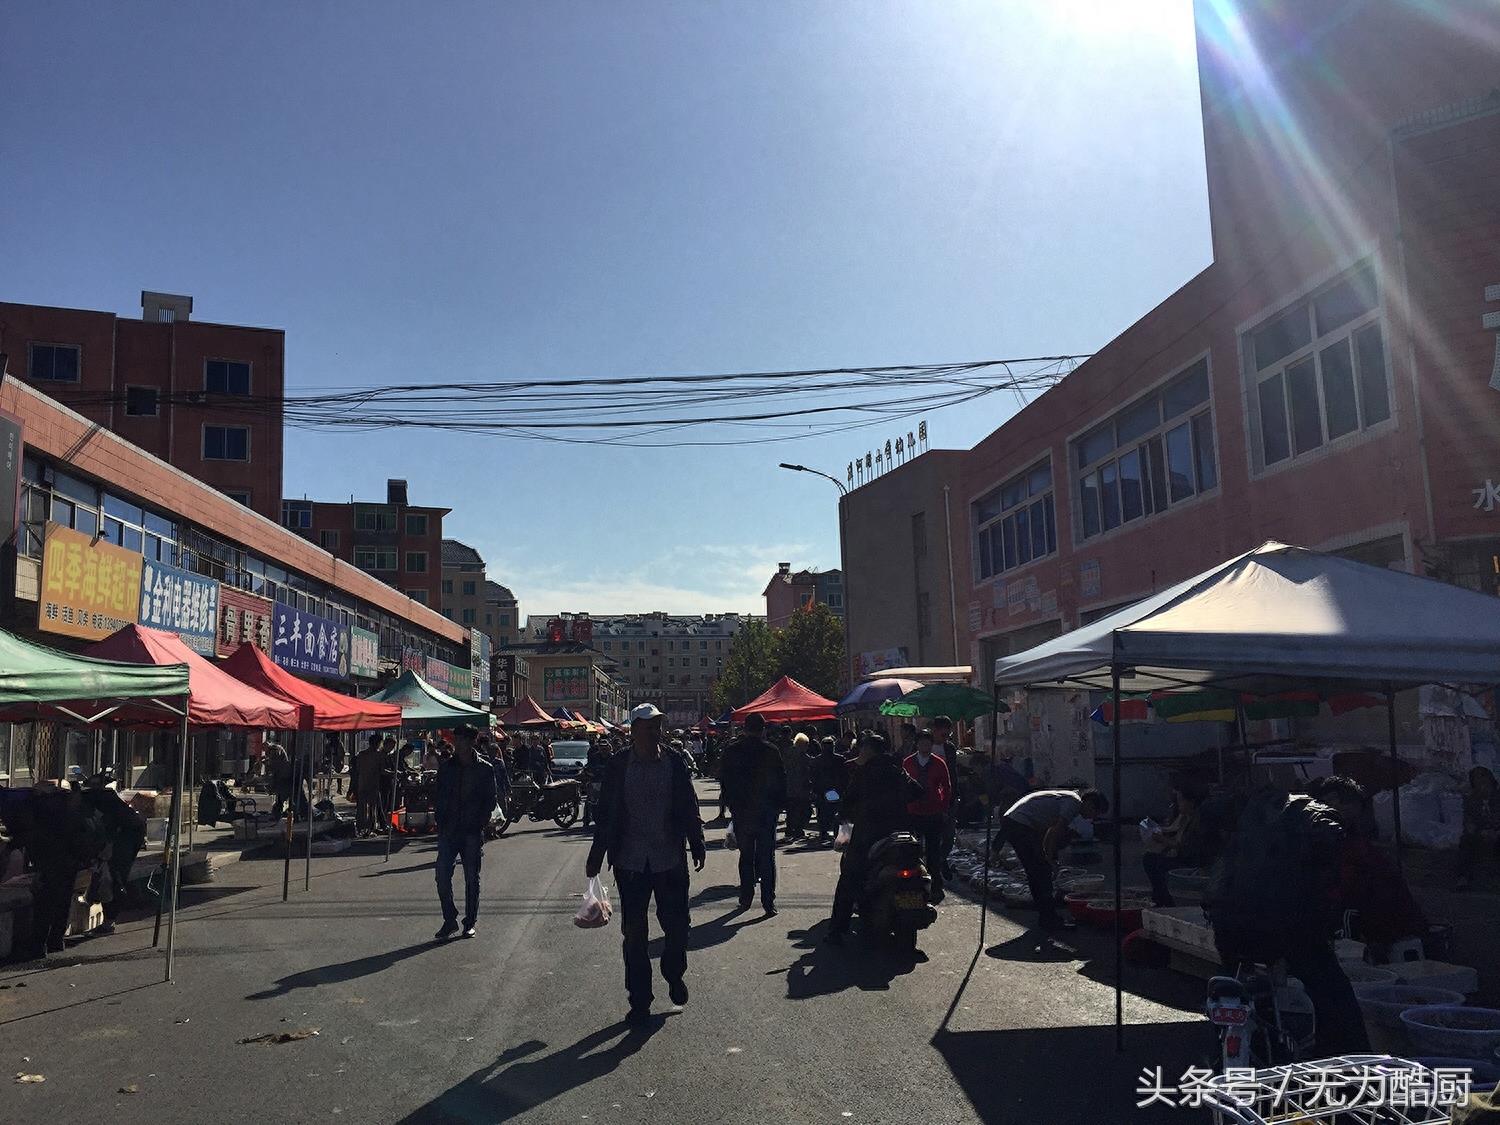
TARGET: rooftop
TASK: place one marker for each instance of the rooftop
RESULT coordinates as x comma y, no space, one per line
460,554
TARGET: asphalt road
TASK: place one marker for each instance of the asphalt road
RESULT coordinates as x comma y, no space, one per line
524,1023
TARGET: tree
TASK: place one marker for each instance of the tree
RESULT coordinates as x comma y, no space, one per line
811,649
749,668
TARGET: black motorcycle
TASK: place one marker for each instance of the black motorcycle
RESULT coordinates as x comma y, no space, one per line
557,801
897,899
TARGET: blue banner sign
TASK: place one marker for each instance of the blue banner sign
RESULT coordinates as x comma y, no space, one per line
177,601
306,643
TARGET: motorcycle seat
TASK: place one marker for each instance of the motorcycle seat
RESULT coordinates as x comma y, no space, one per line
894,844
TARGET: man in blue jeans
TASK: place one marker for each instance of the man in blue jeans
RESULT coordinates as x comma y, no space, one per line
465,800
753,783
647,822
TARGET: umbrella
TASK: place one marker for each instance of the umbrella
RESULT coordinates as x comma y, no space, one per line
870,694
957,701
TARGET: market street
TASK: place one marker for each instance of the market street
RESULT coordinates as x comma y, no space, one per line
523,1022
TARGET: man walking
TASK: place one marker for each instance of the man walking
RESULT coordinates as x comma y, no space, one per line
929,812
364,781
754,785
465,799
647,820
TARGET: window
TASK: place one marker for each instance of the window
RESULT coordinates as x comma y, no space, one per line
328,540
238,495
703,662
226,377
1154,453
468,617
375,558
58,363
140,402
419,596
470,589
416,562
1319,369
372,517
447,585
416,524
505,619
1015,523
835,600
296,514
489,620
226,443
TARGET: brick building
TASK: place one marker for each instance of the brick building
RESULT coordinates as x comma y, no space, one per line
463,593
205,398
1331,379
398,542
789,590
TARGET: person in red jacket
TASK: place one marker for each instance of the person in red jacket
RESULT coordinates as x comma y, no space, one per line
929,812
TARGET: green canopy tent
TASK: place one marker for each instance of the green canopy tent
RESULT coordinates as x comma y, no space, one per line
426,708
38,683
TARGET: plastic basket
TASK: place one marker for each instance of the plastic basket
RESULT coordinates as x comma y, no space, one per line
1383,1004
1453,1031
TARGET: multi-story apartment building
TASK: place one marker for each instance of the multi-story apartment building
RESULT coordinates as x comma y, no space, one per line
789,590
502,614
463,592
671,660
398,542
205,398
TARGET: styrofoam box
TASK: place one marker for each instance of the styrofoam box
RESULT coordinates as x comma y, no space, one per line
1183,927
1436,974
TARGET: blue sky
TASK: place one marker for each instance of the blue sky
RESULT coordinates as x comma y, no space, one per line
458,191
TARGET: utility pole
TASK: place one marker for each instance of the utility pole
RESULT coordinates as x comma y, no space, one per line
843,564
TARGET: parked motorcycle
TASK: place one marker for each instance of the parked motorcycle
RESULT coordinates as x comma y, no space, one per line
557,801
897,897
1264,1017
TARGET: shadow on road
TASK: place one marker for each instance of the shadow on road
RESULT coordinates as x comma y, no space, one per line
428,866
509,1086
1064,1075
343,971
824,970
1034,945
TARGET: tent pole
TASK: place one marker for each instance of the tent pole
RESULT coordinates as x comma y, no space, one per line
291,815
989,821
1390,726
307,867
161,896
176,838
1114,677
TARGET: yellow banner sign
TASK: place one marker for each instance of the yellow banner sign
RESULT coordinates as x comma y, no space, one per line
90,587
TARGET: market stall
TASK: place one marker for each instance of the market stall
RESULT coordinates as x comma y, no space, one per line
869,695
527,713
422,706
787,701
1272,619
319,708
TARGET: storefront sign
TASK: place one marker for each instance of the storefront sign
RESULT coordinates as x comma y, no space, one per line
364,653
1486,496
479,667
180,602
450,679
306,643
11,430
90,587
881,658
502,680
243,619
561,685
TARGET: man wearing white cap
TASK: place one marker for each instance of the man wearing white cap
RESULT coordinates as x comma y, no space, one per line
647,821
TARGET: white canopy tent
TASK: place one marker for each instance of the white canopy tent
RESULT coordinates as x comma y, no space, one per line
1273,615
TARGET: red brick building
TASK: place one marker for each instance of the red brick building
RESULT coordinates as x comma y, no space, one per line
205,398
1331,380
397,542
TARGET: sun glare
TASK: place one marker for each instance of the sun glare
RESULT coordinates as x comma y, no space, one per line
1122,19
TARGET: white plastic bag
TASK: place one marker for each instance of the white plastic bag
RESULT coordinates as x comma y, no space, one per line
845,834
731,841
595,910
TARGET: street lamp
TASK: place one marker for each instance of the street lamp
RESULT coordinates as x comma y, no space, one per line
843,560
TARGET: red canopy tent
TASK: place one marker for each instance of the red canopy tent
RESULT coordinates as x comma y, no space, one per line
527,713
787,701
319,708
215,698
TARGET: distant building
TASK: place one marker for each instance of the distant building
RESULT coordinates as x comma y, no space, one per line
565,670
205,398
789,590
502,614
671,660
398,542
463,584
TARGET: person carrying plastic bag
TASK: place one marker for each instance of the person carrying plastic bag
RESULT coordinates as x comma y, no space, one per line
647,822
595,911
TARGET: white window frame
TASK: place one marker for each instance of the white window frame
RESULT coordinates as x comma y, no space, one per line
155,411
238,495
367,559
203,443
249,376
1076,473
979,532
31,361
1253,378
407,556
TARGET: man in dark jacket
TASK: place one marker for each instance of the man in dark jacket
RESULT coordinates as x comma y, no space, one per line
1275,896
647,820
126,832
465,800
754,786
874,802
829,772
